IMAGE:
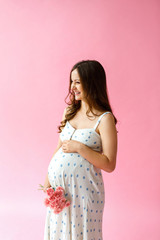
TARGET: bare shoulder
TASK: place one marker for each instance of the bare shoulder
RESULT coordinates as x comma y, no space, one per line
107,122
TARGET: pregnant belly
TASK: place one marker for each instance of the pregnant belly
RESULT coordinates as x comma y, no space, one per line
72,171
65,166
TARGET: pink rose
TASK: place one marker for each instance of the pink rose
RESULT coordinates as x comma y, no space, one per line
58,194
52,197
47,202
52,205
59,188
63,201
56,199
61,193
67,204
50,192
62,204
56,202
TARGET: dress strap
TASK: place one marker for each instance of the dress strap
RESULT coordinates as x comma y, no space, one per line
99,119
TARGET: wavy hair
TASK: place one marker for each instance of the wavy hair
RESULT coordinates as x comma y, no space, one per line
93,81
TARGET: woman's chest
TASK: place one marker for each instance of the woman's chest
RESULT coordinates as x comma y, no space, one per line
86,136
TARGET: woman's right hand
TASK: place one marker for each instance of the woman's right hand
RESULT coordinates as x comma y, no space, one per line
46,184
46,187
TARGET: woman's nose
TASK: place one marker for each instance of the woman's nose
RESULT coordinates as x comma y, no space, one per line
73,86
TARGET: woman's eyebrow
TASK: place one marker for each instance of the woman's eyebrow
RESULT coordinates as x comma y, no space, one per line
76,79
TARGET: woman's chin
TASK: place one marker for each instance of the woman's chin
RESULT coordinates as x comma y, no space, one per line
77,97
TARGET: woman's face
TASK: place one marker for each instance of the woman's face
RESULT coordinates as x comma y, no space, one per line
76,86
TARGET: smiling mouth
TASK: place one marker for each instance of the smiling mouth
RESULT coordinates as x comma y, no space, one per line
77,93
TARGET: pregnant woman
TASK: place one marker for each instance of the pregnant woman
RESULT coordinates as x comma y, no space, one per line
87,143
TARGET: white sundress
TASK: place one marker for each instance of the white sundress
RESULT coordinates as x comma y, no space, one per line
84,188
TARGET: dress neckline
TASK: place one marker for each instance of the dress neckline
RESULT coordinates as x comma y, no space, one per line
76,129
94,128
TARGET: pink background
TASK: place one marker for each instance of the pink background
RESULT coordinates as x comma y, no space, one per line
40,40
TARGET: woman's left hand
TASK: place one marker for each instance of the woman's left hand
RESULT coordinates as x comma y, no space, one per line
70,146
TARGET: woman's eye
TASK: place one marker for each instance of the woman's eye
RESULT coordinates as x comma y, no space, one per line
75,82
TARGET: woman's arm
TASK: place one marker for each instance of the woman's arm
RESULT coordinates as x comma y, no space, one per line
107,160
97,159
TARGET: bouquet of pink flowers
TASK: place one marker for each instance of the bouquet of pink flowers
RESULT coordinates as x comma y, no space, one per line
55,199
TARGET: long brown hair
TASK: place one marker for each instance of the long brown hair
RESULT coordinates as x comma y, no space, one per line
93,80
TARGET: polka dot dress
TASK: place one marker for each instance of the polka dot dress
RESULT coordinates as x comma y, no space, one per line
83,185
